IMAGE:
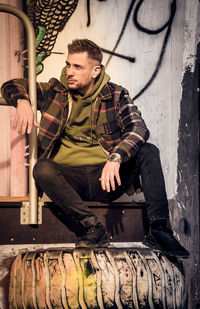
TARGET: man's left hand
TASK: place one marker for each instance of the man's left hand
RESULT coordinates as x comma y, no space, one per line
109,173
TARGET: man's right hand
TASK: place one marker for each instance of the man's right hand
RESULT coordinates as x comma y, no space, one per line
24,118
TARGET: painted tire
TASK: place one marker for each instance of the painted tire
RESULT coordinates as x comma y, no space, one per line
100,278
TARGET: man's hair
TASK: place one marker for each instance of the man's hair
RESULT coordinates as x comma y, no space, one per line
85,45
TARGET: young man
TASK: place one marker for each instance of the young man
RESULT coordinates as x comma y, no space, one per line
92,146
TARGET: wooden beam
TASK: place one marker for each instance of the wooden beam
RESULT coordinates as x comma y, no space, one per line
19,199
13,199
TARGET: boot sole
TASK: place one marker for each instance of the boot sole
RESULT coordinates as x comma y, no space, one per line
153,245
98,245
102,243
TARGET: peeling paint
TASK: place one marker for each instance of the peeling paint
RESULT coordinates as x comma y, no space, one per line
185,209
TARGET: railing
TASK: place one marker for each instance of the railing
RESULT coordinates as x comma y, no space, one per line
33,200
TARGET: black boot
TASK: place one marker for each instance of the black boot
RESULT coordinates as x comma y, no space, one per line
95,234
160,237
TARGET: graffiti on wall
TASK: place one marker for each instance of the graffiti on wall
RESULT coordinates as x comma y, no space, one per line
167,25
137,24
50,17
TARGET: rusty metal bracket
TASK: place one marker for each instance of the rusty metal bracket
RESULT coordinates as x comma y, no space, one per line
25,213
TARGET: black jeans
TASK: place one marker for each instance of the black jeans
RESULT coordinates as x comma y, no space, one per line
69,186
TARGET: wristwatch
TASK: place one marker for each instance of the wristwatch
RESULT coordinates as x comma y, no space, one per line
115,157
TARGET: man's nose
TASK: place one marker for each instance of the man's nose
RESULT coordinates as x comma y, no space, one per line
70,71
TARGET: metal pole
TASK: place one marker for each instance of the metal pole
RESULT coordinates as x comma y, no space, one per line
33,98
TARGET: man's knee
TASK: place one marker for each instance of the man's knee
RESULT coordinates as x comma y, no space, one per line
42,169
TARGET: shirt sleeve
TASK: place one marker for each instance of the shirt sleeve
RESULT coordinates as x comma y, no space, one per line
16,89
133,128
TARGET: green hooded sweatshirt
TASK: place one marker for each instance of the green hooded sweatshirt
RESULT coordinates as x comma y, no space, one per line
78,144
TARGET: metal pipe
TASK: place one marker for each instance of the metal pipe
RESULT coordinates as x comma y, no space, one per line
33,98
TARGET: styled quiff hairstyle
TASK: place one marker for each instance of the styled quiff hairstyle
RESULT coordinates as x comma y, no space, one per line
84,45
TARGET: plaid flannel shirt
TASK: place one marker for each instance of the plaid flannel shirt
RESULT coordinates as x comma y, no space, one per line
117,122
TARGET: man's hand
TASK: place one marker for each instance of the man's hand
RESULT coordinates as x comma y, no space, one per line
24,118
109,173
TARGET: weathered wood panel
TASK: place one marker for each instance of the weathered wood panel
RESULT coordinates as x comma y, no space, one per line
13,174
124,224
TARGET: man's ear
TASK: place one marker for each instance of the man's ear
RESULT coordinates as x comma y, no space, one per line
97,71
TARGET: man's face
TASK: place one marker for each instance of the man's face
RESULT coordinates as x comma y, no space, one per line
81,72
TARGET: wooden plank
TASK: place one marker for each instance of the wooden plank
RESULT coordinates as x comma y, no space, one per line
4,112
18,199
116,204
5,151
18,171
13,199
13,173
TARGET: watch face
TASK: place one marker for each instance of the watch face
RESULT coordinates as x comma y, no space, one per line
113,157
